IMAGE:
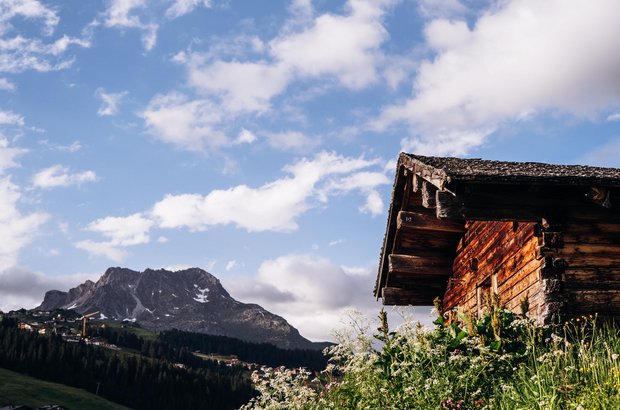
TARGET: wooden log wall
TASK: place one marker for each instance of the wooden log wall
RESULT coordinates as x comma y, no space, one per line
590,263
502,254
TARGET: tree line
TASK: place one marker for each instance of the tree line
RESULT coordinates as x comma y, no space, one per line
130,379
177,346
263,353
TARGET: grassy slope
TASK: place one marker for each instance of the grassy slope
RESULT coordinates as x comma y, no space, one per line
17,388
138,331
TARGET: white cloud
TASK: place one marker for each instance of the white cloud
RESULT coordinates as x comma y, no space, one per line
189,124
345,47
122,14
10,118
19,54
62,44
123,231
178,267
292,141
230,265
397,70
120,232
60,176
109,102
242,86
366,182
17,229
614,117
374,204
274,206
301,8
360,180
106,249
182,7
454,142
8,155
448,9
23,288
75,146
311,292
6,85
521,58
149,37
245,137
28,9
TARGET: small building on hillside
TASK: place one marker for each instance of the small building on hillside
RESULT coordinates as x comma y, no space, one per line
462,229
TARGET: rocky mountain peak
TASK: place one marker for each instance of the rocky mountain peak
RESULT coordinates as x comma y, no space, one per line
189,299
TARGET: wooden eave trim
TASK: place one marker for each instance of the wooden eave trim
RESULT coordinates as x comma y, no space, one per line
435,176
567,181
390,230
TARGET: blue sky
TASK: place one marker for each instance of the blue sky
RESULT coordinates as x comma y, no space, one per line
258,140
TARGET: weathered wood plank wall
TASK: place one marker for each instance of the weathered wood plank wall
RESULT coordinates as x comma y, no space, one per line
591,254
499,257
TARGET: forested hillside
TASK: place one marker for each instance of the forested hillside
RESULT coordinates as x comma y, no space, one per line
129,379
263,353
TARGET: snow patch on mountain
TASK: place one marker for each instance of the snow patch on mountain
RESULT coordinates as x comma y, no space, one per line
202,295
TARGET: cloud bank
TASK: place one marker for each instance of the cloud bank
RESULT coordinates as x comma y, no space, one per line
520,59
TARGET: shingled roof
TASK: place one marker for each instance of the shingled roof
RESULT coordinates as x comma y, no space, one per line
433,197
485,171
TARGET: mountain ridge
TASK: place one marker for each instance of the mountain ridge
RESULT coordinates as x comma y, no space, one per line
190,299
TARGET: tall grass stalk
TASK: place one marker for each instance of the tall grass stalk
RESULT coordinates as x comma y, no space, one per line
500,361
579,370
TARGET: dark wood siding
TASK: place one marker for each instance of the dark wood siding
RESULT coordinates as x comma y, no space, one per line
591,251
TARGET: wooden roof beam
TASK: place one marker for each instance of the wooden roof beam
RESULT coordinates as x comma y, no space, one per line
412,271
428,195
453,207
407,296
420,266
428,222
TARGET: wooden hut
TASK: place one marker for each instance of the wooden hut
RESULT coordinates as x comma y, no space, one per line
462,229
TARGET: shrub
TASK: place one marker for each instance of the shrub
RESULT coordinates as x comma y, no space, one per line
500,361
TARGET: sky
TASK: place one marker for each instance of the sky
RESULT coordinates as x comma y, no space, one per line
258,139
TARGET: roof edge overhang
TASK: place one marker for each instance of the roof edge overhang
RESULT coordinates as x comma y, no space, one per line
424,190
413,176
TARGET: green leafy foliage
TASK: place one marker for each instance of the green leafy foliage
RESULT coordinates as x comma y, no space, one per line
499,361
